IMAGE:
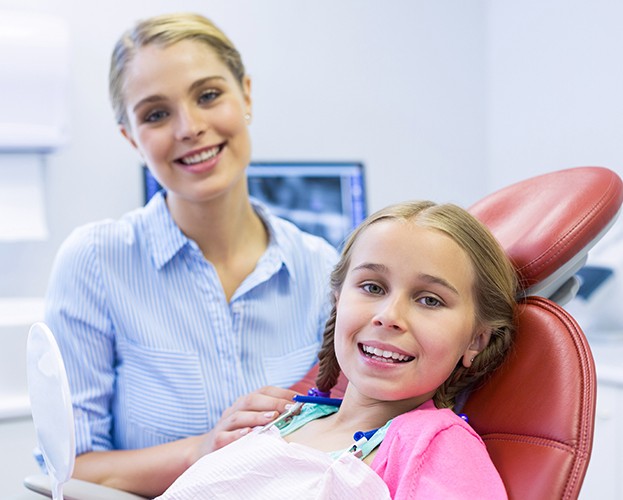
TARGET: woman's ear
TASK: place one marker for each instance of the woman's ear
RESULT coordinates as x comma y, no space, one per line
479,342
126,133
246,90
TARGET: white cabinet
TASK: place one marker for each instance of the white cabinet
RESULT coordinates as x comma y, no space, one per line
17,432
18,440
604,479
16,317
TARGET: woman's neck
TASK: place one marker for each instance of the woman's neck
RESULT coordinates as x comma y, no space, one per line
220,226
228,231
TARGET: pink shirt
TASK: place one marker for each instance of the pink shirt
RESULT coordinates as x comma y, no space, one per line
434,454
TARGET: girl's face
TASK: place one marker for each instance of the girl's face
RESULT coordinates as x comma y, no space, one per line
186,114
405,313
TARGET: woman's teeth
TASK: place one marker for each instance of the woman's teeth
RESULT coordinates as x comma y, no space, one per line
200,157
382,355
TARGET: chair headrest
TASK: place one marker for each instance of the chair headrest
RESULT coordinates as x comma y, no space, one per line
563,214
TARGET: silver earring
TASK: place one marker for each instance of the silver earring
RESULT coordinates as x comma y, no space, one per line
247,117
471,360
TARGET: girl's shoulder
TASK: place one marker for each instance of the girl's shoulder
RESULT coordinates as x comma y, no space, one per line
423,445
427,421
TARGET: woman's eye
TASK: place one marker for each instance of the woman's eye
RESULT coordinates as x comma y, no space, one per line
208,96
429,301
372,288
155,116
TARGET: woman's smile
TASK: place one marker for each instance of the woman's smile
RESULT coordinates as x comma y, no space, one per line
201,161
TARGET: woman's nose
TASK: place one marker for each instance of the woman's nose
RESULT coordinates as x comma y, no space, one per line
390,315
190,124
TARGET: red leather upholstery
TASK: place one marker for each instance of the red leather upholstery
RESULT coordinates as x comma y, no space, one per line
536,414
544,221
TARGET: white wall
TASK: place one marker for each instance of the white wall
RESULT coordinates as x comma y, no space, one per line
555,86
398,85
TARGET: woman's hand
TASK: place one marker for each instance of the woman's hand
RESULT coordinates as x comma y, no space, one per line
149,471
249,411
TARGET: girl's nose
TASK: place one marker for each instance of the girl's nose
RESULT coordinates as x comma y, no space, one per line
190,125
390,315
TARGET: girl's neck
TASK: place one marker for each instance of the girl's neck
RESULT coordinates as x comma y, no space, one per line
336,431
367,414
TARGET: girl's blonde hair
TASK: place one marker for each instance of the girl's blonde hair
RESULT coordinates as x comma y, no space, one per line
495,289
166,30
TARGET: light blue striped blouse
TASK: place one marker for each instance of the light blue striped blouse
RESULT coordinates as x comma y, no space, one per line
153,350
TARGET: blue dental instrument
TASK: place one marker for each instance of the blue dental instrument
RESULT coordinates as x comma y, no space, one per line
318,400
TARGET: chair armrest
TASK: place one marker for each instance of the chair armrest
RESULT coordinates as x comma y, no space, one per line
75,489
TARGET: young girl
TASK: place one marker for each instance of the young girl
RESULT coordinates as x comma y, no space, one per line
166,318
424,309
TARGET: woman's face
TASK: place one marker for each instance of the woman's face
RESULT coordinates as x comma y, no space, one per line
405,313
186,114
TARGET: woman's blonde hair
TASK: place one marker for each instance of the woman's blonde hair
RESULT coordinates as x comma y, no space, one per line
495,289
166,30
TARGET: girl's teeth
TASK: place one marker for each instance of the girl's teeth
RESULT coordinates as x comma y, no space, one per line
385,355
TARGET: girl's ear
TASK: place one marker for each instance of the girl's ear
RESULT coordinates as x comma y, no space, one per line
479,342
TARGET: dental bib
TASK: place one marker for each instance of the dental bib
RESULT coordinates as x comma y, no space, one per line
263,465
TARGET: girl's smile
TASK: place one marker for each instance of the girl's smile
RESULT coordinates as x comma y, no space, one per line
377,352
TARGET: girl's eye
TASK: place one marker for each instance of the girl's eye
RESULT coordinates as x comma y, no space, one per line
372,288
155,116
208,96
429,301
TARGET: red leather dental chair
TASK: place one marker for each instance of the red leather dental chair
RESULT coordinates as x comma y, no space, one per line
536,414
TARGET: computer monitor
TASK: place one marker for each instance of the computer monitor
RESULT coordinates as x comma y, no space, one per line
324,198
327,199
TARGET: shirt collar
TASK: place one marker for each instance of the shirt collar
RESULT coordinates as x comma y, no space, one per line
164,235
166,239
276,253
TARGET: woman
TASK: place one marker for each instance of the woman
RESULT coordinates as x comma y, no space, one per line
177,321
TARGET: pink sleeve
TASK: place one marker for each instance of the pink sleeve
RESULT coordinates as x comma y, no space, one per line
451,463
